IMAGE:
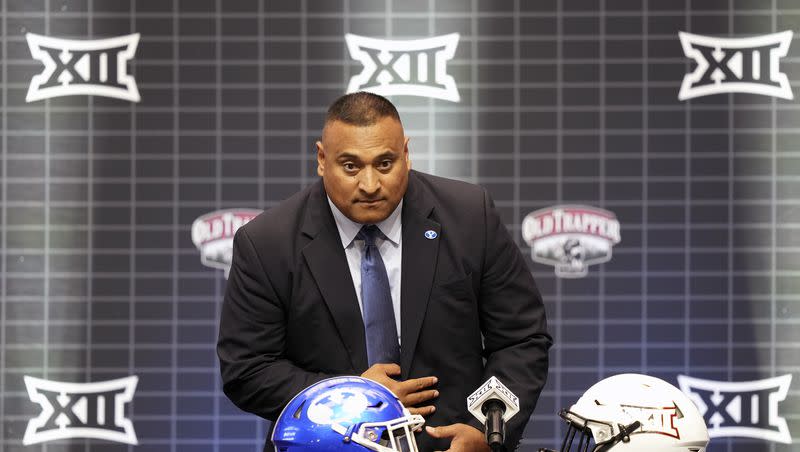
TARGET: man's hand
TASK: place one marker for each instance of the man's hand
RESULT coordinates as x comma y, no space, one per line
464,438
410,392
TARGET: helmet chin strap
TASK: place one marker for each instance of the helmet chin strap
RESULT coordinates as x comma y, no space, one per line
624,435
349,434
358,439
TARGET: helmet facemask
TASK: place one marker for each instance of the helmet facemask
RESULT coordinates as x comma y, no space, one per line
396,435
592,434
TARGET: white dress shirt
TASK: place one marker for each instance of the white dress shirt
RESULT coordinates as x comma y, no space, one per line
391,252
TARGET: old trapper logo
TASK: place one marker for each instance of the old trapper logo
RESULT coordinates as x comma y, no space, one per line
83,67
413,68
571,237
743,408
213,233
736,65
81,410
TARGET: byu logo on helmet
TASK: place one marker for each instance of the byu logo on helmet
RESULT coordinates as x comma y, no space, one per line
336,406
413,68
744,408
83,67
81,410
736,65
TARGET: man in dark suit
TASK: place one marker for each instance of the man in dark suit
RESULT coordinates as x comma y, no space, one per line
431,301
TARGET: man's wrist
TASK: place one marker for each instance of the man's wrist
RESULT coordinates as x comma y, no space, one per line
477,425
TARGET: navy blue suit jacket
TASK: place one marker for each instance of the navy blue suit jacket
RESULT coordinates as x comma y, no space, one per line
469,306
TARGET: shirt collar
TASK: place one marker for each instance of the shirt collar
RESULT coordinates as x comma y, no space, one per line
348,229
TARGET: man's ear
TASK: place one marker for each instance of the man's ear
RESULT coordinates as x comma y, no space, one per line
406,154
320,159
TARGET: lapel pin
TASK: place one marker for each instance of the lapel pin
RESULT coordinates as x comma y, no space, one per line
431,234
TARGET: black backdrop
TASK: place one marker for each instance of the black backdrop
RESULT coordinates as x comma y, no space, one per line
117,214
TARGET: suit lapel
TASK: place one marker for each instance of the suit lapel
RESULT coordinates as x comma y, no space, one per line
418,267
328,264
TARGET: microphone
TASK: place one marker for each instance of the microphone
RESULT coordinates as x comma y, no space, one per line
493,405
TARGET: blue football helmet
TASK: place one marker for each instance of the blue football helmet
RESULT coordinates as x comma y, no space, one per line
346,414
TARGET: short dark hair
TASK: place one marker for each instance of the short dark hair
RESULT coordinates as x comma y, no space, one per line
361,109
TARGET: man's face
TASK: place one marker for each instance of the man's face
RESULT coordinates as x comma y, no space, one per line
364,168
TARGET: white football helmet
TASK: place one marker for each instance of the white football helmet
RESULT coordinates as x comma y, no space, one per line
633,412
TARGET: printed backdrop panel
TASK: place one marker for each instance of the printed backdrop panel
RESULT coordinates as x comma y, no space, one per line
644,154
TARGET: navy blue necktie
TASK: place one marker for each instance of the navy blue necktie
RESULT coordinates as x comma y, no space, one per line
376,298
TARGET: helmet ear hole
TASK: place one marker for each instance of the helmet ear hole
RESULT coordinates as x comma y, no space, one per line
299,410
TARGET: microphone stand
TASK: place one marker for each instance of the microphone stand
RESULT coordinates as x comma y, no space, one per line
495,427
